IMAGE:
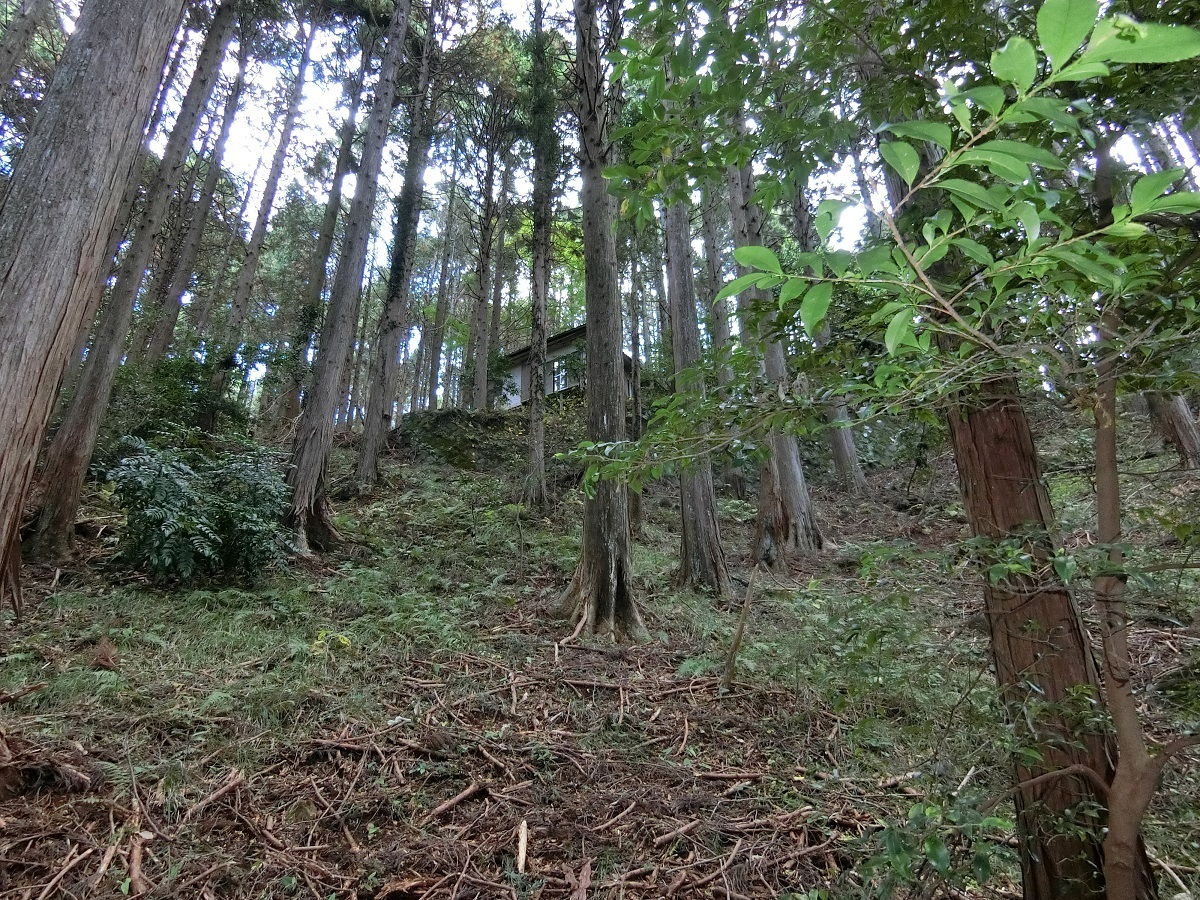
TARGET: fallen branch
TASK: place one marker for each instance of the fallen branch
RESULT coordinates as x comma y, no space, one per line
466,794
232,783
665,839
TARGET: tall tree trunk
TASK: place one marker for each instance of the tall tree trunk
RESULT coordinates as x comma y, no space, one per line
846,466
395,321
1039,646
1172,418
600,597
314,285
504,218
164,329
310,512
225,354
441,312
77,161
70,453
701,556
124,214
23,25
478,349
787,522
546,157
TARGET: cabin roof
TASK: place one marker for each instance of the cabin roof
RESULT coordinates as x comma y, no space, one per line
555,341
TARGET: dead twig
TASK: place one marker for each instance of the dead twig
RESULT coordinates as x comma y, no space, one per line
465,794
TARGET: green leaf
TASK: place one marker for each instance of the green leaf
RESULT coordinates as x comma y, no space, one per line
1016,63
1083,70
1001,165
876,259
1181,202
898,329
1025,152
902,157
1064,568
762,258
815,306
974,250
1150,187
989,97
1063,25
939,856
934,132
969,191
1030,220
792,288
738,285
1154,44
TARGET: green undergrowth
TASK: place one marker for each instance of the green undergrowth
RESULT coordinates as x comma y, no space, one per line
872,655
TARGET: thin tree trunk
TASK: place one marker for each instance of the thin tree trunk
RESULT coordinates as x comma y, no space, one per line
504,219
701,556
787,522
23,25
546,156
478,349
442,308
164,330
600,597
395,318
1172,418
226,356
71,451
77,161
314,285
310,514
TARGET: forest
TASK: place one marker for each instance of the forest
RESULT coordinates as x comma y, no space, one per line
599,449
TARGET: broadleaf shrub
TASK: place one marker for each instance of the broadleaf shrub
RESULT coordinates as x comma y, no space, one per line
200,509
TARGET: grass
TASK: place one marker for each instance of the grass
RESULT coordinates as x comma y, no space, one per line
863,692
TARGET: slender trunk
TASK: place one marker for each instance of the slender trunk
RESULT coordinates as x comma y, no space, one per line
1039,647
846,466
600,597
442,308
787,522
77,161
164,330
225,353
657,254
701,556
395,321
71,451
478,349
1172,418
310,513
314,285
19,35
546,156
498,277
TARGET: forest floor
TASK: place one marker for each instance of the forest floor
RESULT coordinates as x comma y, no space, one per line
405,719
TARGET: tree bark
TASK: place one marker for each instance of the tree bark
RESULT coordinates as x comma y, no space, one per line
504,219
396,318
314,285
546,159
701,556
437,336
600,597
23,25
310,513
69,454
76,161
1039,646
226,351
1172,418
488,221
164,330
787,522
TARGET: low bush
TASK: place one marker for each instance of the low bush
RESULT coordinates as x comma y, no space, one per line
200,508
